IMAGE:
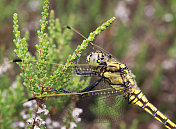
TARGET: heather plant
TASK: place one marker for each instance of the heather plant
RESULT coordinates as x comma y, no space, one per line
35,70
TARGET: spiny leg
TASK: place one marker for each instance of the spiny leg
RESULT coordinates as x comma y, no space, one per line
78,72
92,85
88,88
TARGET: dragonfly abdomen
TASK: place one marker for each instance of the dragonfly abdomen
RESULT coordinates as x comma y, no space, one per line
137,98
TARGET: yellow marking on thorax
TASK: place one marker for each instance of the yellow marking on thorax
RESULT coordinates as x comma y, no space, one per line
113,66
129,79
114,78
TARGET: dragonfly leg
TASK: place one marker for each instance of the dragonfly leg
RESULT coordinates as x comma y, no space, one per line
63,91
85,73
92,85
88,88
60,90
78,71
76,67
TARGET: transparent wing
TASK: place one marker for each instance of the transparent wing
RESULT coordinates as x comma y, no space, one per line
102,104
103,108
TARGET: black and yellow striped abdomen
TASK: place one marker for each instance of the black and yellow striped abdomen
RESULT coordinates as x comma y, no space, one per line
137,98
122,80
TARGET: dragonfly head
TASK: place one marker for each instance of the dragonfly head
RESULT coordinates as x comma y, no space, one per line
96,59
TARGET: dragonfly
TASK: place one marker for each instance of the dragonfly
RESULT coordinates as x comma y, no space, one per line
120,81
120,78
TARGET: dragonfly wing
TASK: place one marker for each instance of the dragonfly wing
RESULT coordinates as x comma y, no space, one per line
102,104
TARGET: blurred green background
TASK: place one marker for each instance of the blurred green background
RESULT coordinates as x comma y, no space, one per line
143,37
